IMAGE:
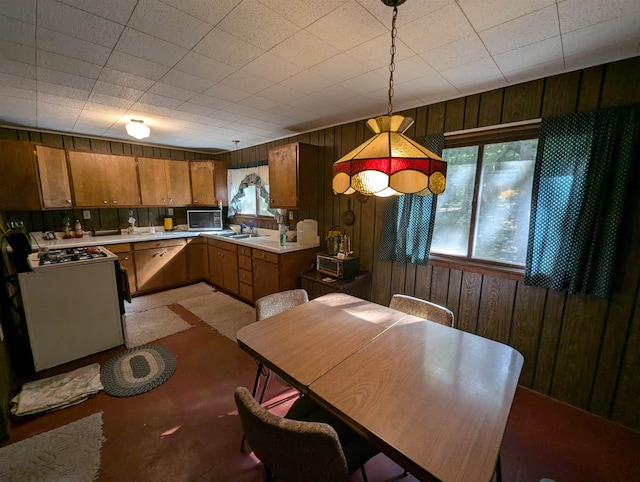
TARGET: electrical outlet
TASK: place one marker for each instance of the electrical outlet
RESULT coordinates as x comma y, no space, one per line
86,214
170,211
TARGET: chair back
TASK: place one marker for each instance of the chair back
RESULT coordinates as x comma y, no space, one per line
422,309
278,302
294,451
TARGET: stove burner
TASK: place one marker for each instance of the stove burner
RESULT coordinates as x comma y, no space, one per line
70,255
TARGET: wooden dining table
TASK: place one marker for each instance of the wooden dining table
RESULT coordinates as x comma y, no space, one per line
433,398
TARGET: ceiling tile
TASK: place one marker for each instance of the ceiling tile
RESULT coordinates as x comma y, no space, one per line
246,82
204,67
529,29
464,76
205,10
457,53
24,10
187,81
549,50
116,10
367,82
63,78
167,23
602,35
577,14
78,23
19,111
194,108
17,31
263,67
122,92
63,91
9,90
17,52
408,69
336,27
531,72
17,82
136,66
172,91
489,13
376,52
227,49
338,68
441,27
303,12
145,46
124,78
304,49
304,82
19,69
60,100
227,92
61,63
610,53
62,44
253,22
210,101
99,98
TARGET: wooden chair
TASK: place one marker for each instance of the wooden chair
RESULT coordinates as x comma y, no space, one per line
302,446
422,309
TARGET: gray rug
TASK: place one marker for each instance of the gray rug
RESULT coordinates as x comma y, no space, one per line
146,326
137,371
222,312
68,453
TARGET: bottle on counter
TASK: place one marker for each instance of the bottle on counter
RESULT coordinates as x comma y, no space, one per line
78,233
66,228
283,235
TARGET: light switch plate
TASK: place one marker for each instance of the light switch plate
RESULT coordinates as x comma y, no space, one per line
169,211
86,214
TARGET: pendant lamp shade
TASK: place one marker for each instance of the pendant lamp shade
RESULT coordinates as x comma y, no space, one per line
389,163
137,129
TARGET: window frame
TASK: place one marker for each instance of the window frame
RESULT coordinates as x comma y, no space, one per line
481,138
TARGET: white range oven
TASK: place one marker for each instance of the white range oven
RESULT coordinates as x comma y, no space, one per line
72,304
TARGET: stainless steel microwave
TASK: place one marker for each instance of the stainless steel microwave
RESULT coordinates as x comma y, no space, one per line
204,220
345,268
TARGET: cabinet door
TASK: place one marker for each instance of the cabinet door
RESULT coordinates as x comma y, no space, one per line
283,176
126,261
149,263
202,188
87,177
230,271
177,179
174,268
215,267
265,278
54,177
122,181
153,187
20,190
197,260
220,182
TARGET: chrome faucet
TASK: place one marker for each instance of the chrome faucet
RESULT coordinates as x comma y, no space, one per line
242,226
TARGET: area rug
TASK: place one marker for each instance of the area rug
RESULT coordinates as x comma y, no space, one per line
69,453
57,392
145,326
222,312
137,370
169,297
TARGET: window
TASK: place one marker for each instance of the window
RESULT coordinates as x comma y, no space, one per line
248,190
484,212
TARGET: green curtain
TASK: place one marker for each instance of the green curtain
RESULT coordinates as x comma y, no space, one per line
408,220
582,181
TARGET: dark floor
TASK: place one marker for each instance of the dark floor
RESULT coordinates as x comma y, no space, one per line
544,438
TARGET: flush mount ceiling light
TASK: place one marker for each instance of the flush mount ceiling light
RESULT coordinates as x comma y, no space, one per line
390,163
137,129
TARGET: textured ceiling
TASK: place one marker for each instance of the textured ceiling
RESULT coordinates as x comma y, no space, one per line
201,73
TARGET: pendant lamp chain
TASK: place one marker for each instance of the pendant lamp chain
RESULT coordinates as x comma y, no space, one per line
392,65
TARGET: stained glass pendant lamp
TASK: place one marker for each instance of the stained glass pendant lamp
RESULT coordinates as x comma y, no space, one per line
137,129
389,163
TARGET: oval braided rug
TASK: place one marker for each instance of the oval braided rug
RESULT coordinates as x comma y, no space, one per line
137,370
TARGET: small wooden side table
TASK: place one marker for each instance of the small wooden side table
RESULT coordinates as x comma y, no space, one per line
317,284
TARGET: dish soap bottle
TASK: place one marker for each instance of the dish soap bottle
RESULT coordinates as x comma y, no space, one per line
78,230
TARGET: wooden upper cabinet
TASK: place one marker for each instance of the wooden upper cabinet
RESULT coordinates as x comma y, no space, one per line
293,173
202,183
33,182
164,182
103,180
54,177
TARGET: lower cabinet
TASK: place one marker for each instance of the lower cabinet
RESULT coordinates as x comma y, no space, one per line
223,265
160,264
197,259
125,257
266,273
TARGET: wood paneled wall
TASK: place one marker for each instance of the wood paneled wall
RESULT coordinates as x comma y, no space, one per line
582,350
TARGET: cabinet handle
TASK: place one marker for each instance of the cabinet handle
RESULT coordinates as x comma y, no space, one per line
170,199
126,258
164,252
115,201
164,200
195,201
105,201
157,253
68,201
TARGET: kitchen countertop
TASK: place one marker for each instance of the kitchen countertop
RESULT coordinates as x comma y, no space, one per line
268,240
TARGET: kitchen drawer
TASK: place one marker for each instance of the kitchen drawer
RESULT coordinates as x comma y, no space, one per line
119,248
160,243
265,256
245,276
246,291
244,250
244,262
222,244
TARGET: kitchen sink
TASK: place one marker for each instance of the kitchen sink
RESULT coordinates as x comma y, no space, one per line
243,236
